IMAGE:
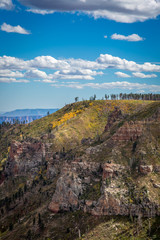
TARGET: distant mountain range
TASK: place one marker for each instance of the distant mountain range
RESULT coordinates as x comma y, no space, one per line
25,115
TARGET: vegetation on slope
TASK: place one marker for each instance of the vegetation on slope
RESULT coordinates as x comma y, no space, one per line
74,122
65,129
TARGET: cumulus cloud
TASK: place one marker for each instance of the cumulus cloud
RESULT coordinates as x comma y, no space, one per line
114,85
119,16
13,29
13,80
48,62
48,81
84,64
142,75
76,66
80,72
72,85
6,4
109,61
73,69
35,73
83,74
40,11
130,38
122,75
9,73
58,75
12,63
118,10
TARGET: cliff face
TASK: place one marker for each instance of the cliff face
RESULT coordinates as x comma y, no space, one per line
129,132
117,196
24,157
100,189
109,184
118,174
109,192
74,179
115,116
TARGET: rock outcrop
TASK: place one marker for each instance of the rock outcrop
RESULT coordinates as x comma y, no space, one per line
90,182
145,169
71,184
68,189
111,170
129,131
113,117
114,198
24,157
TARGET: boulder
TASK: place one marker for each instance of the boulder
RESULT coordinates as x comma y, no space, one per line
145,169
157,169
156,185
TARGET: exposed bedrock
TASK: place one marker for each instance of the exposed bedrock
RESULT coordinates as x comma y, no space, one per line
115,197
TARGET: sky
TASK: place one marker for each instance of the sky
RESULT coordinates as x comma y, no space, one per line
54,51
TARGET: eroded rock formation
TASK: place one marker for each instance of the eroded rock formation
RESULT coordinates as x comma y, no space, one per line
24,157
114,199
113,117
129,131
98,187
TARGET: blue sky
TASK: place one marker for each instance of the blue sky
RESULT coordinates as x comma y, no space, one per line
48,58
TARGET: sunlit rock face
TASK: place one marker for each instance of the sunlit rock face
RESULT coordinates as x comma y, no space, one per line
114,198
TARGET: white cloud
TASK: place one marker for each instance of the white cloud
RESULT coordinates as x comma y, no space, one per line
76,73
48,62
35,73
72,85
130,38
118,10
6,4
114,85
142,75
9,73
80,72
76,66
58,75
65,69
70,82
109,61
48,81
122,75
117,16
105,36
12,63
40,11
13,29
84,64
13,80
83,74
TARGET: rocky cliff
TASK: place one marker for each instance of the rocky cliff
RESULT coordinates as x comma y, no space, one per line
116,173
